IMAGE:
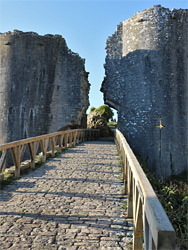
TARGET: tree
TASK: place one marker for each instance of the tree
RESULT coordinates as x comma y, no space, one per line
105,111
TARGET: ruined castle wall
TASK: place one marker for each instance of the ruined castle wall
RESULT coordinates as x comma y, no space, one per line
147,81
43,85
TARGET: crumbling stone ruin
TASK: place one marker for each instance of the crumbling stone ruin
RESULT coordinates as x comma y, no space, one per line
147,83
43,86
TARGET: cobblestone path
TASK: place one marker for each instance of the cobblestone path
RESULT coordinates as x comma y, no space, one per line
74,201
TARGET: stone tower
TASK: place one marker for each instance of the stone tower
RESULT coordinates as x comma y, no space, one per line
147,83
43,85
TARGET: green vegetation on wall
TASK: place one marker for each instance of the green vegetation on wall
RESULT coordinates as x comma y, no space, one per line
92,109
105,111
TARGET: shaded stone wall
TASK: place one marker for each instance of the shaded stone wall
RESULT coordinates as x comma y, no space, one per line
147,81
43,85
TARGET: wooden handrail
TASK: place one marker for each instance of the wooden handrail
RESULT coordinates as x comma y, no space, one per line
57,140
152,228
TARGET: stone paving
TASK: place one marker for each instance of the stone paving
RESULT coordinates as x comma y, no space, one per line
72,202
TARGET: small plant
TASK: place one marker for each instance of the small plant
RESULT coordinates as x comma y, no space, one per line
57,153
125,207
38,162
7,180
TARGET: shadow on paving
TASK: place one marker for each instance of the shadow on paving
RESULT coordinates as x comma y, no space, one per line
103,222
104,182
6,193
101,197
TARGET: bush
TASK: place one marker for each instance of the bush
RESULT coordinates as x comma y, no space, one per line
92,109
105,111
173,195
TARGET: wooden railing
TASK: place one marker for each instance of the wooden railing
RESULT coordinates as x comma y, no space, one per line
152,228
59,141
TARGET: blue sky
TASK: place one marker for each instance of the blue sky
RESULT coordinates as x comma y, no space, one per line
85,25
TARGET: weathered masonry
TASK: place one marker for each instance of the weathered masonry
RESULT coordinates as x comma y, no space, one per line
147,82
43,85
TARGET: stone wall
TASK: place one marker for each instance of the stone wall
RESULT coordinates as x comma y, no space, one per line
43,85
147,82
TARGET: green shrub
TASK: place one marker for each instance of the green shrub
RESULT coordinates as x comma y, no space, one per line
92,109
105,111
112,124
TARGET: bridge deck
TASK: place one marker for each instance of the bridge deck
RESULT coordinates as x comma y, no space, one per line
74,201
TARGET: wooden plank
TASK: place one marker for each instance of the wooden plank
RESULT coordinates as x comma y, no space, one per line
130,195
60,140
44,146
135,200
53,144
83,135
23,148
66,140
70,138
140,191
16,159
33,147
146,231
78,137
3,160
138,227
75,136
126,175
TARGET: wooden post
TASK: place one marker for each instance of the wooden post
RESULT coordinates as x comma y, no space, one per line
148,239
3,160
126,175
66,140
130,194
22,151
78,137
60,139
16,159
75,136
44,146
82,136
53,144
138,225
70,139
33,147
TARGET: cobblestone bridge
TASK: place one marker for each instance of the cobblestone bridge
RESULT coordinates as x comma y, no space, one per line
73,201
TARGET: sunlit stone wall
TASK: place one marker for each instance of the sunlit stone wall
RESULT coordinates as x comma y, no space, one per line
147,82
43,85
